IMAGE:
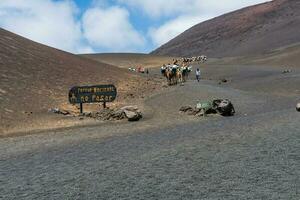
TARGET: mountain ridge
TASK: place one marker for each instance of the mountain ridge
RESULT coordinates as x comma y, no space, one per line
252,30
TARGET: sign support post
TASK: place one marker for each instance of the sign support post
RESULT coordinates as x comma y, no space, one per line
81,108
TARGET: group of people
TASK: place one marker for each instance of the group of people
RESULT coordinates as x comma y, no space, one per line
175,74
178,74
194,59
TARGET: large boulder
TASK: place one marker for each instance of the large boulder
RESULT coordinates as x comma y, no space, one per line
132,113
298,107
224,107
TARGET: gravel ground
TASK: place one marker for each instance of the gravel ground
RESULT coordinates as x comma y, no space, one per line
253,155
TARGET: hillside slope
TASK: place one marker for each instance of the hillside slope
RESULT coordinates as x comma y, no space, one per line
35,77
125,60
249,31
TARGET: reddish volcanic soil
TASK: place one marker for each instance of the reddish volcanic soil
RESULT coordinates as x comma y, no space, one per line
35,78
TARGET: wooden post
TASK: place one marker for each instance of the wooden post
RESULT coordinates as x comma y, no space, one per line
104,105
81,108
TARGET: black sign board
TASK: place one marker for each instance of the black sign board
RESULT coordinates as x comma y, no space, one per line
93,94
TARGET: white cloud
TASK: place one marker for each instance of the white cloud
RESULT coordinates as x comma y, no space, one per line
173,28
158,8
189,13
110,28
161,8
49,22
86,50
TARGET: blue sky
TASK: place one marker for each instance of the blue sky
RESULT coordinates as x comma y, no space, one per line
96,26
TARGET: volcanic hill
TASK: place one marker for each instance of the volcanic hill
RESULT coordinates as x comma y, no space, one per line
35,78
252,30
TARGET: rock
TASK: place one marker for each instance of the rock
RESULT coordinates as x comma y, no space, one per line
196,111
132,113
224,80
130,108
89,114
108,114
64,112
287,71
298,107
219,106
53,110
224,107
118,114
201,113
59,111
133,116
185,109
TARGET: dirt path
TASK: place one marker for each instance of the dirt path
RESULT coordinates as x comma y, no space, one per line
253,155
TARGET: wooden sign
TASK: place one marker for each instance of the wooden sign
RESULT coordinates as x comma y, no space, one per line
92,94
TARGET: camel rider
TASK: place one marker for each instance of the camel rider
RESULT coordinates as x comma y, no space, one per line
169,66
163,69
174,68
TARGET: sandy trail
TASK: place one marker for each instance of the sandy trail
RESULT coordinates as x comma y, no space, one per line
168,155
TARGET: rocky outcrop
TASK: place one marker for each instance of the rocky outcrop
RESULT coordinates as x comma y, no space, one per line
132,113
106,115
219,106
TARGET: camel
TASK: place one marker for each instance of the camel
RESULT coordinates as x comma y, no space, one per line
171,76
179,75
185,73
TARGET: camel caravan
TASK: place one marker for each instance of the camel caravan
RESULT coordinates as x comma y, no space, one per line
198,59
179,71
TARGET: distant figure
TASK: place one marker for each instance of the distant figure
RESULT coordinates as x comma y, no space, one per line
147,71
198,74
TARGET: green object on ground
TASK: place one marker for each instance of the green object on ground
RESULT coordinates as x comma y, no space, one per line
205,105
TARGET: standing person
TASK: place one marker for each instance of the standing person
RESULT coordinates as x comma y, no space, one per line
198,74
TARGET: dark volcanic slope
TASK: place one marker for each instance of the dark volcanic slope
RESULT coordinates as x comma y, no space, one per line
252,30
34,77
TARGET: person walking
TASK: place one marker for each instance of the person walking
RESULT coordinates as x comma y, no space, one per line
198,74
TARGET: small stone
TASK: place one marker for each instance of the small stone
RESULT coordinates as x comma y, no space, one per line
89,114
185,109
201,113
118,114
287,71
224,80
197,111
64,112
298,107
